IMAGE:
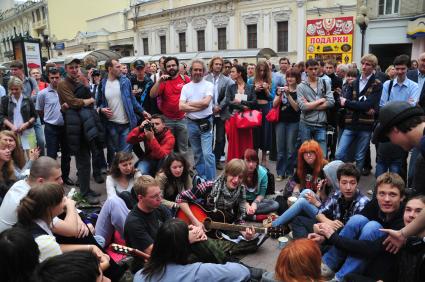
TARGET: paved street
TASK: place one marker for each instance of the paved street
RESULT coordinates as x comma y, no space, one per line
266,256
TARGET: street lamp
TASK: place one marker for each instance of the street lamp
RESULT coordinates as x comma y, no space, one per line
47,43
363,21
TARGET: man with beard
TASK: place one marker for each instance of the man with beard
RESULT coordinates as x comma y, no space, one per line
196,101
168,89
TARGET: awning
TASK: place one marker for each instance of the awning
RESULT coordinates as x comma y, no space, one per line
97,55
416,28
245,53
181,56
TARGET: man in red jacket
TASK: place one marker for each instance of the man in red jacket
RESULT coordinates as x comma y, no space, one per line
158,142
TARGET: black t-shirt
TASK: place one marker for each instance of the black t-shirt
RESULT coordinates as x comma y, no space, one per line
140,228
141,86
309,181
287,112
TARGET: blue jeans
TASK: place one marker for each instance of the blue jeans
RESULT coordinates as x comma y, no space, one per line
179,130
358,227
149,166
357,138
39,135
383,166
286,139
117,137
300,206
318,133
202,149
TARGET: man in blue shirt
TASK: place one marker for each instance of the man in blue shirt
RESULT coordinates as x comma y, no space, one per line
392,157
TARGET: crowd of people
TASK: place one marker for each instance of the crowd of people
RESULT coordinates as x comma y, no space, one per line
178,143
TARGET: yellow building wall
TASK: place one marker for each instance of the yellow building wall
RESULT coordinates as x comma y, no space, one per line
69,17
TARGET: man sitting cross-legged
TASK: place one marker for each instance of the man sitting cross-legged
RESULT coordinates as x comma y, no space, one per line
148,215
358,247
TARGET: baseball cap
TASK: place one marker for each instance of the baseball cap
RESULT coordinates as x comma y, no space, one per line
69,60
390,115
139,64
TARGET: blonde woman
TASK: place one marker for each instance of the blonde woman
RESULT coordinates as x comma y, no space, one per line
17,113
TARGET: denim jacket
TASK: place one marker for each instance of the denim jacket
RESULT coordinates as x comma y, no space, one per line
131,106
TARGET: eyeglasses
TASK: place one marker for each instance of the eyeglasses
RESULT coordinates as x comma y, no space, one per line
52,70
157,196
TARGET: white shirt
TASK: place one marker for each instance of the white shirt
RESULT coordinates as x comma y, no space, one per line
2,91
363,82
18,120
113,96
196,92
13,197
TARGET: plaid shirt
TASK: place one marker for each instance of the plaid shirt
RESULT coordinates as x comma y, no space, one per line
217,195
335,208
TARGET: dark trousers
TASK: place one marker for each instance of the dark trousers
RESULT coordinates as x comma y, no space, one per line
82,159
54,136
220,138
98,162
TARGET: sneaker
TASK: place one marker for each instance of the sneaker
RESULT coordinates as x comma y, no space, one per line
69,182
279,178
327,273
222,158
99,179
219,166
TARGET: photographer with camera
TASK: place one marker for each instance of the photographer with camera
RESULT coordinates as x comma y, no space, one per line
158,142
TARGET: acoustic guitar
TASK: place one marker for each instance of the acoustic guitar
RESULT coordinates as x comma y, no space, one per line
124,250
217,220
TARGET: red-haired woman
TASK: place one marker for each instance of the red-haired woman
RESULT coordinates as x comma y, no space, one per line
256,186
299,261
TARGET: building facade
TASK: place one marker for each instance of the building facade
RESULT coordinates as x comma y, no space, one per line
26,19
394,29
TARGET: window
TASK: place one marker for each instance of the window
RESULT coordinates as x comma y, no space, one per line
33,17
282,36
182,42
221,36
37,12
163,44
43,12
252,35
388,7
201,40
145,46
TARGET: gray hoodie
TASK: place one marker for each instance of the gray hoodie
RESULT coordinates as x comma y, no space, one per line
330,171
314,117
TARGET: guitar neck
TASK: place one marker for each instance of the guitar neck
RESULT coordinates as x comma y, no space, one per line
234,227
141,254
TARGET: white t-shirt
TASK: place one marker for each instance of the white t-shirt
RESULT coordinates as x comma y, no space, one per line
47,243
196,92
113,96
13,197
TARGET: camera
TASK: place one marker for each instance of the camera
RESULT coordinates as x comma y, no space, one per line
148,126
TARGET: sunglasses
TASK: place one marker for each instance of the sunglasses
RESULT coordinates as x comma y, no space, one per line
53,70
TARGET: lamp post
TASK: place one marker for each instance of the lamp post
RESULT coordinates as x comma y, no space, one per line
47,43
363,21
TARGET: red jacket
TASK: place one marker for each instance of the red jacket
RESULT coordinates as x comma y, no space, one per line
156,148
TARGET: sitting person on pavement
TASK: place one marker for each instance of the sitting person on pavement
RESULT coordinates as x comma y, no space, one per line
299,261
121,198
256,186
169,260
174,178
358,248
158,140
309,203
143,222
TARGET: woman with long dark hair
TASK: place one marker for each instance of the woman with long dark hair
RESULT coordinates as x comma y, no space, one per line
174,178
256,186
288,124
122,174
169,260
18,154
262,83
38,213
7,171
240,96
